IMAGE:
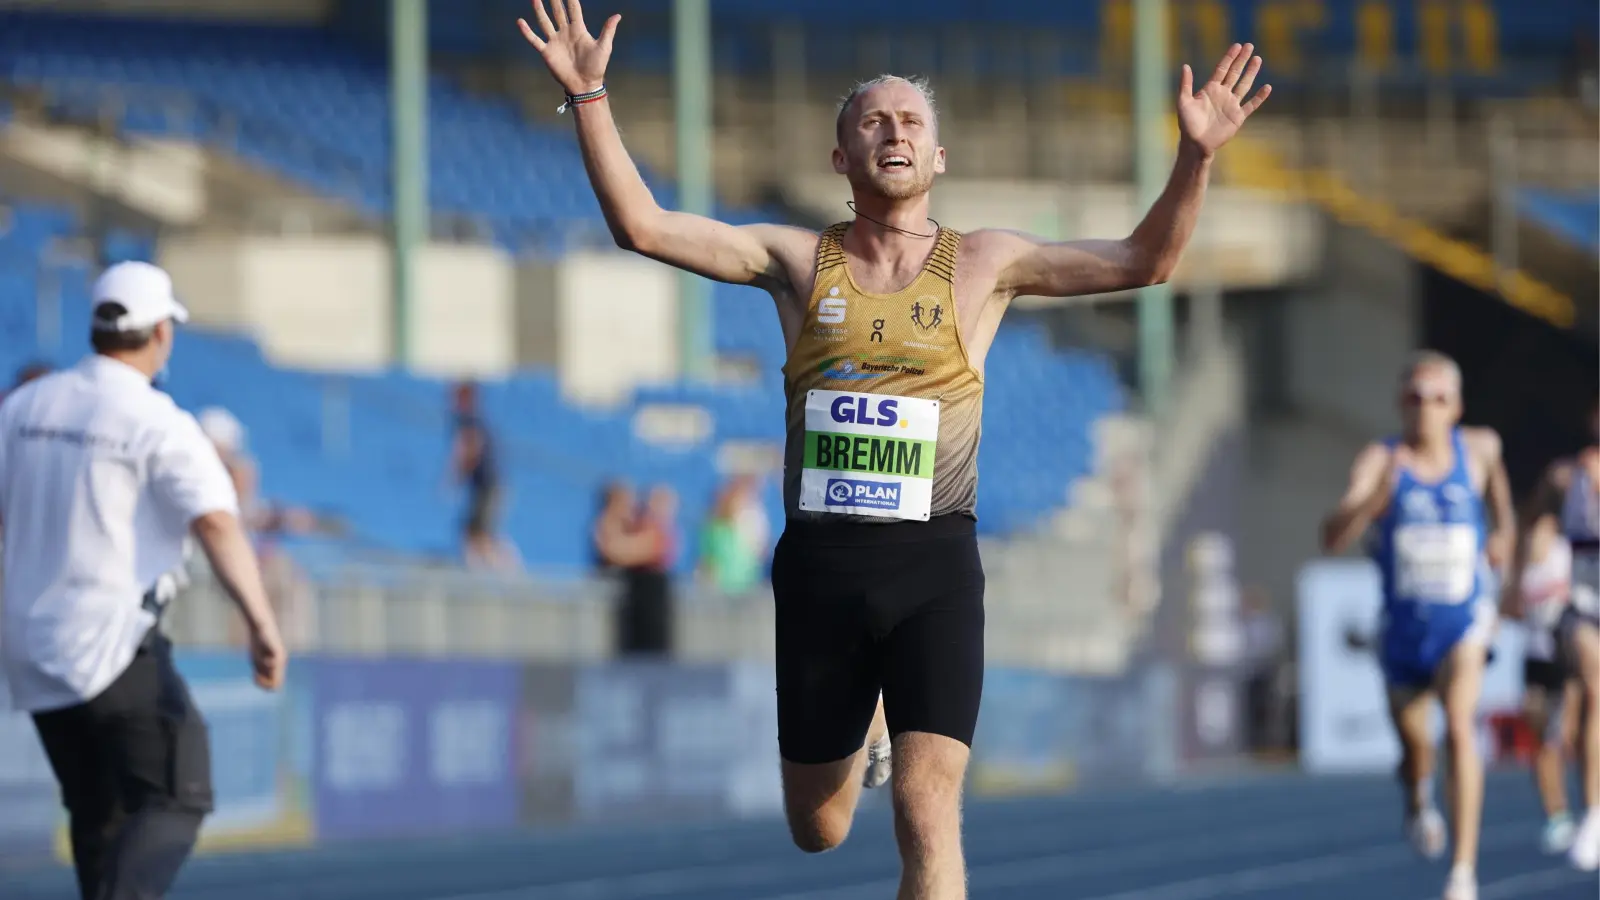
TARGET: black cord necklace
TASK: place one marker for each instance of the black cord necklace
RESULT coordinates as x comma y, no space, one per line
936,225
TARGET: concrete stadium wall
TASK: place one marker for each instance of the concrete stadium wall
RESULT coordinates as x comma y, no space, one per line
1348,336
163,179
616,324
323,303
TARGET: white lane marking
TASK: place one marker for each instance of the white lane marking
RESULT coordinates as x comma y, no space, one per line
1131,857
1517,886
1303,871
1292,872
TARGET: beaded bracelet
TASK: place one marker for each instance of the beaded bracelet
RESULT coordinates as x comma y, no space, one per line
580,99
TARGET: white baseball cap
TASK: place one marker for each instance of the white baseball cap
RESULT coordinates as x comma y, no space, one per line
142,290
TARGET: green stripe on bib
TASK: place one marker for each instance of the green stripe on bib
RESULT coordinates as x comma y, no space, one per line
869,454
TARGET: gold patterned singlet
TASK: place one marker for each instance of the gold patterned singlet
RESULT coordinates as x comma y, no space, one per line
884,409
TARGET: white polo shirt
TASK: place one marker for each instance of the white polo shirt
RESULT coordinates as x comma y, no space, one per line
101,476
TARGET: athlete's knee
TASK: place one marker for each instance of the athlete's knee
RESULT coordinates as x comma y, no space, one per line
819,801
818,831
1460,729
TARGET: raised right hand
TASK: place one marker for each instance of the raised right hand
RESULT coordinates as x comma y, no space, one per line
577,59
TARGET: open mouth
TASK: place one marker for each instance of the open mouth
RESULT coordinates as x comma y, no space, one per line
895,162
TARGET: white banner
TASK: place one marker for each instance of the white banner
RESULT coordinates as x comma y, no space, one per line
1344,718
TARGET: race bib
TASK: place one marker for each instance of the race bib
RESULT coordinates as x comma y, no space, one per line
1436,563
1586,583
869,454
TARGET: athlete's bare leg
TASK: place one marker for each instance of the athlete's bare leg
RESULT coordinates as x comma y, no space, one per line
1549,762
1410,708
1585,852
1461,686
820,799
928,774
1586,644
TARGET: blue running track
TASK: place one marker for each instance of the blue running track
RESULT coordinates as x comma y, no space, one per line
1277,837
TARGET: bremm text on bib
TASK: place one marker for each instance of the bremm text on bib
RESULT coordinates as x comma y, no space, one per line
869,454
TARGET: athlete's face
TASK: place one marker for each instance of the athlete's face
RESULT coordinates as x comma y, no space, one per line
1430,401
888,143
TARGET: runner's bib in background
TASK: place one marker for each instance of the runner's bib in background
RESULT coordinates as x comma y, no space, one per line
1436,562
869,454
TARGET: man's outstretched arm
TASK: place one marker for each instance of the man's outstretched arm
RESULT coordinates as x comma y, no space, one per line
577,60
1207,120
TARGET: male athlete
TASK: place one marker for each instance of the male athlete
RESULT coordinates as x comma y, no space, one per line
1536,594
877,578
1424,493
1570,490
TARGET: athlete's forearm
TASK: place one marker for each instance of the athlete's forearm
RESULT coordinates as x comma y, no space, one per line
1343,526
1340,529
625,200
1158,242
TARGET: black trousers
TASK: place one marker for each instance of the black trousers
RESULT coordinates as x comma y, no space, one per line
644,617
134,765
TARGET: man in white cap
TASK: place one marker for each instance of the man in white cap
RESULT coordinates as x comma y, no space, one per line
103,480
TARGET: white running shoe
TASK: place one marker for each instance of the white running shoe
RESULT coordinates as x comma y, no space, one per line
1428,833
1462,884
1558,834
1585,852
880,763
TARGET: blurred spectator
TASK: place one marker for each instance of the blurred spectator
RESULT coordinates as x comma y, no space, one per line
473,463
29,372
1264,664
26,374
733,542
613,546
261,517
287,587
641,545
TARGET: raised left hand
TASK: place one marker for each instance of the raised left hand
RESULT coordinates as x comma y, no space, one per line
1211,116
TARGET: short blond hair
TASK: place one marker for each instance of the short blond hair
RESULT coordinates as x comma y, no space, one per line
918,82
1432,359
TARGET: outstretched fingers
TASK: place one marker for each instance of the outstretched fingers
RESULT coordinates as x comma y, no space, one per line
1242,89
558,11
608,32
529,35
1220,75
1240,60
543,18
1254,103
1186,82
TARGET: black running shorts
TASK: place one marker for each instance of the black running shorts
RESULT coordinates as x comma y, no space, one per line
1545,675
896,607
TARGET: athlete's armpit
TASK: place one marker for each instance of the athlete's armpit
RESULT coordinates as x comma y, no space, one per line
1030,266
